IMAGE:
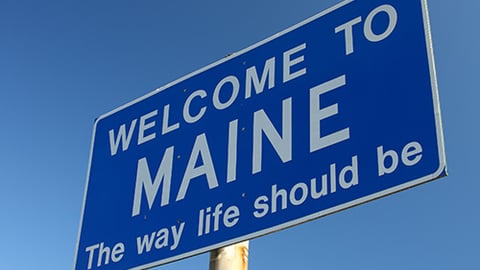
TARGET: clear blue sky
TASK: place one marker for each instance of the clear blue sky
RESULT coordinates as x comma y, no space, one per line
64,63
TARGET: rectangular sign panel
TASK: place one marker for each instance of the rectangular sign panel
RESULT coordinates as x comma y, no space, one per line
330,113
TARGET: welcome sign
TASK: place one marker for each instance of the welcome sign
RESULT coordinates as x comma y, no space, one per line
330,113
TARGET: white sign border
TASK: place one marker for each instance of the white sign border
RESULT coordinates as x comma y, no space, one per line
441,171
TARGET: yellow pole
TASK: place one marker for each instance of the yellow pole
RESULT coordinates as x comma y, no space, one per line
234,257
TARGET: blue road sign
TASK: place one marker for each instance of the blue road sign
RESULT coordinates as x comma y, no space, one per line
330,113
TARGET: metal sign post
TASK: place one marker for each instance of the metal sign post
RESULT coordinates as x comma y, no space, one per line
234,257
